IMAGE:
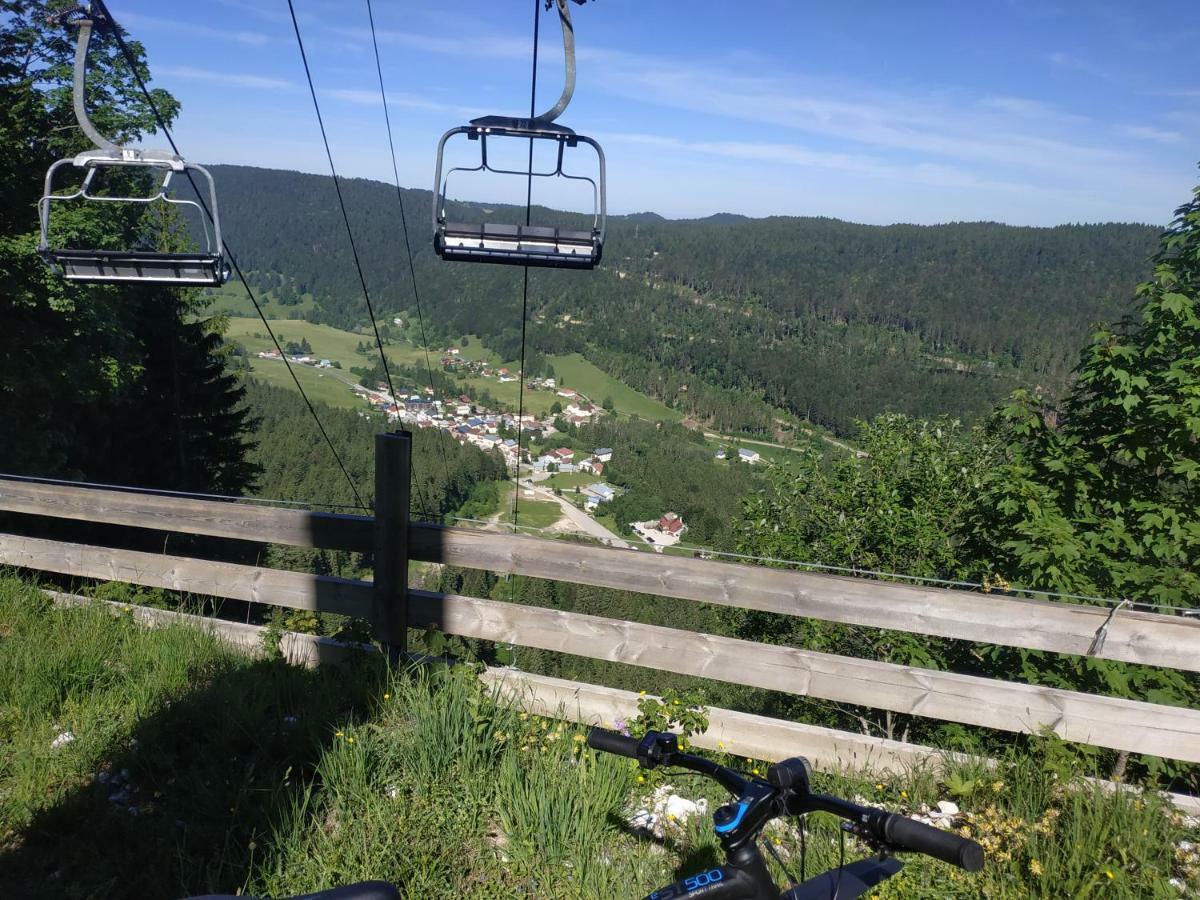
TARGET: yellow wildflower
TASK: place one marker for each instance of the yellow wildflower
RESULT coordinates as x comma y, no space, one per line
579,739
1109,875
997,787
720,745
879,786
904,794
641,779
349,740
387,696
339,734
1035,867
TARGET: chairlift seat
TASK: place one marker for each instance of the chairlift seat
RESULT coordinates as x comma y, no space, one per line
530,245
521,245
123,266
203,268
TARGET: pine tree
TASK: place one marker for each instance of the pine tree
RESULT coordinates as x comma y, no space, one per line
124,384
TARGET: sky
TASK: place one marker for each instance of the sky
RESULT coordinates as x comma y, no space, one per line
1025,112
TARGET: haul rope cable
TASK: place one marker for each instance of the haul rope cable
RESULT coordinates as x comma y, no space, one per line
525,285
131,62
362,279
412,271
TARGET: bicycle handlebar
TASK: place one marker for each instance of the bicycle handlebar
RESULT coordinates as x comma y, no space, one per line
890,829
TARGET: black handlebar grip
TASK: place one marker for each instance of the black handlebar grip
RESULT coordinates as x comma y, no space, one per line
612,742
944,845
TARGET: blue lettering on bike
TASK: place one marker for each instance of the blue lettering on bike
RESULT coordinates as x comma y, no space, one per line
695,882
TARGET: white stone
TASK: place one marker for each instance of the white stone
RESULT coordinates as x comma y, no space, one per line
62,740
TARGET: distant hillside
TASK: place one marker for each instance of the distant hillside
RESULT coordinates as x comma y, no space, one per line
829,319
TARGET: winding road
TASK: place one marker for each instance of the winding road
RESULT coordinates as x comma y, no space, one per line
581,520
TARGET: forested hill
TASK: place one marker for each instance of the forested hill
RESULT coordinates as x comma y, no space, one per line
829,319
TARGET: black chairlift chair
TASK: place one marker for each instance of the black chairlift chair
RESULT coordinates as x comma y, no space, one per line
524,245
201,268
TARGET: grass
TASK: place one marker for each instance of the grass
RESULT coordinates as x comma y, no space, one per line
195,769
319,385
338,345
568,481
576,372
530,513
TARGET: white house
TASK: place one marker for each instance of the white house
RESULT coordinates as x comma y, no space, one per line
604,454
749,456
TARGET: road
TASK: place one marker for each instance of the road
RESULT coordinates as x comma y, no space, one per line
581,520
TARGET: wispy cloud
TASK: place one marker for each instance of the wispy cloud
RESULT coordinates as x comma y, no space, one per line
398,100
250,38
191,73
1074,63
491,46
1146,133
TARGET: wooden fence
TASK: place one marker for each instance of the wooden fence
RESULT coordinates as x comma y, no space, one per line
1104,721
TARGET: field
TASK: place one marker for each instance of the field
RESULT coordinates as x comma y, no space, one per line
231,298
576,372
531,513
341,346
193,769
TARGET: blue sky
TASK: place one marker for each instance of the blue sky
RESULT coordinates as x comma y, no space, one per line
1022,112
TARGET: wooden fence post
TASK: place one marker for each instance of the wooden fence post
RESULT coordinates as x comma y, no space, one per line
389,613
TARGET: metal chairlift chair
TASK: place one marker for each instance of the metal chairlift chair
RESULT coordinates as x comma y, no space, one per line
95,266
524,245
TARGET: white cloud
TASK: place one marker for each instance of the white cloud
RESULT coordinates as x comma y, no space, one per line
398,100
191,73
250,38
1146,133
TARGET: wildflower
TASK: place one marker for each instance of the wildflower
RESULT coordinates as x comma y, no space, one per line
387,696
641,779
1109,875
676,702
755,771
720,745
904,794
349,740
579,739
997,787
1035,867
641,693
339,734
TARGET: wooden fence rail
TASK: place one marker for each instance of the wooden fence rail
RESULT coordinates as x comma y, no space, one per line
1110,722
1132,636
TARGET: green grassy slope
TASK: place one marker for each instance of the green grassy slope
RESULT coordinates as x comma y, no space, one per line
194,769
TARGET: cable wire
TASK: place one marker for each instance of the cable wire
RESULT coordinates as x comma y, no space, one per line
362,278
537,18
162,126
412,270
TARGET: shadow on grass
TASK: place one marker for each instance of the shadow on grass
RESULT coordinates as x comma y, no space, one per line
187,804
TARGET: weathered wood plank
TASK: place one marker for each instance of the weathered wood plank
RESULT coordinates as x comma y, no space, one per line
741,734
192,576
1138,637
216,518
1167,731
748,735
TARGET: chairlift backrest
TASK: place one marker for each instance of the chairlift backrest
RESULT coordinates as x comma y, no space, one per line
105,266
524,244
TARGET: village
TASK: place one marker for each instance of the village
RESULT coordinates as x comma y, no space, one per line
467,422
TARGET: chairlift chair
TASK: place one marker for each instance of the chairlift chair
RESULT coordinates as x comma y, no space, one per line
524,245
98,266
